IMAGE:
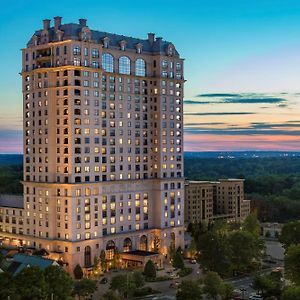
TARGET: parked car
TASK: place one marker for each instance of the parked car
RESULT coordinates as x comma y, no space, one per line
193,261
255,296
103,280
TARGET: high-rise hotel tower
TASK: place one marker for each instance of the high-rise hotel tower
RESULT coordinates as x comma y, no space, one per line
103,143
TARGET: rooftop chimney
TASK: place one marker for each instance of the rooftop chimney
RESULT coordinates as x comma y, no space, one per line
46,24
151,37
57,23
82,22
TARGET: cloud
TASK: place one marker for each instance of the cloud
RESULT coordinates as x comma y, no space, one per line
240,131
239,99
254,100
218,95
209,123
218,113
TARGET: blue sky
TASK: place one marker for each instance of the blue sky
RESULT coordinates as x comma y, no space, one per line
229,46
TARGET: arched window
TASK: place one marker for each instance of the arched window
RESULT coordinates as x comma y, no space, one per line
127,245
143,245
87,256
140,67
107,62
110,250
124,65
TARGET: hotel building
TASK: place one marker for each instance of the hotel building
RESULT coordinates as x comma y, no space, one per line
209,201
103,145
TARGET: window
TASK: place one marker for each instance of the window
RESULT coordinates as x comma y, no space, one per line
76,50
95,53
124,65
140,67
107,62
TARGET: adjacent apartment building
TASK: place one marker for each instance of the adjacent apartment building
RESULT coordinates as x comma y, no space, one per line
209,201
103,145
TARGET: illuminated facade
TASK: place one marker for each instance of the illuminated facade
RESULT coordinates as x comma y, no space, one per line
103,143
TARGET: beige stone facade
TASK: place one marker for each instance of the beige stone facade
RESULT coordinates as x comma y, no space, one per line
103,144
208,201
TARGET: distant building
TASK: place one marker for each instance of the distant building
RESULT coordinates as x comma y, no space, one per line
208,201
103,145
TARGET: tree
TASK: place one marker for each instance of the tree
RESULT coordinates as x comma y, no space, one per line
214,285
192,249
244,249
58,283
31,284
116,259
150,270
290,234
214,248
292,263
291,293
8,287
84,287
124,284
178,260
189,289
96,265
268,285
112,295
103,261
138,279
228,291
251,224
78,273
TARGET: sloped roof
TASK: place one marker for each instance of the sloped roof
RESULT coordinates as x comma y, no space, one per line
14,201
21,261
72,31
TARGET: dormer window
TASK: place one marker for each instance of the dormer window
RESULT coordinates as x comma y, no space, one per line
139,48
106,42
170,50
123,45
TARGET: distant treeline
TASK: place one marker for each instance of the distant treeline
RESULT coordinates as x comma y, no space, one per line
273,183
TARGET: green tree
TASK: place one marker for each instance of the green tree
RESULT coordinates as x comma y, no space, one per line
292,263
189,289
84,287
244,249
96,265
8,287
124,284
78,273
269,285
149,269
116,259
103,261
31,284
228,291
291,293
290,234
178,260
112,295
138,279
251,224
214,285
58,283
214,248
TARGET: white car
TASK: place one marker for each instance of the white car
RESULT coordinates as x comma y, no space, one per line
255,296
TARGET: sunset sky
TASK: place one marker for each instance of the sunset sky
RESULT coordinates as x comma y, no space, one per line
242,64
